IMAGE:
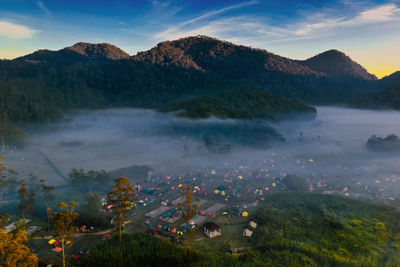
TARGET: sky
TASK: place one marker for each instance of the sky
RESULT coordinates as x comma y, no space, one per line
367,31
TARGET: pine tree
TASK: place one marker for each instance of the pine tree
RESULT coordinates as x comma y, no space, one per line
13,250
47,191
122,199
27,199
63,221
188,210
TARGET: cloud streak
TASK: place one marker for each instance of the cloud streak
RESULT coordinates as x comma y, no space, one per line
43,7
256,31
15,31
174,32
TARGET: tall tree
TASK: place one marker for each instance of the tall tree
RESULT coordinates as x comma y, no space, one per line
63,221
122,199
13,250
188,208
3,221
26,198
3,176
90,212
48,196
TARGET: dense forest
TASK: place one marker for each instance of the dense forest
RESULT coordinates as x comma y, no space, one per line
241,104
295,229
42,85
389,98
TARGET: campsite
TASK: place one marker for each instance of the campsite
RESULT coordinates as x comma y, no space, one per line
229,189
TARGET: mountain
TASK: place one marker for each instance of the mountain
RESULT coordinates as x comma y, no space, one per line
390,80
101,51
389,98
224,58
240,104
337,64
42,85
76,53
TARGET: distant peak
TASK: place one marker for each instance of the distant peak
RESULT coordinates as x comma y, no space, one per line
337,64
101,50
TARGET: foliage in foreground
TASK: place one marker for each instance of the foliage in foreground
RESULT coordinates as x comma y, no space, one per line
140,249
320,230
14,251
295,229
241,104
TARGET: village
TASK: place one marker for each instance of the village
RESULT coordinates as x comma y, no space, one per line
226,197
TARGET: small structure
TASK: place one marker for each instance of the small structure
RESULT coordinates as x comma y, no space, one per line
212,229
253,223
249,229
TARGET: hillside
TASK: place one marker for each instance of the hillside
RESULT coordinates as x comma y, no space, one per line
103,51
42,85
241,104
388,98
336,64
293,229
224,58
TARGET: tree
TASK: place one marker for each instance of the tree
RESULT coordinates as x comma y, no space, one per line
47,191
3,169
3,176
3,221
122,199
27,199
90,180
14,252
188,210
63,221
90,213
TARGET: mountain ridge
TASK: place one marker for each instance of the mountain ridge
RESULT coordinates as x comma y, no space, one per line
44,83
337,64
185,53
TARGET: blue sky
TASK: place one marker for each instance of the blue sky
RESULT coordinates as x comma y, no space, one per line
368,31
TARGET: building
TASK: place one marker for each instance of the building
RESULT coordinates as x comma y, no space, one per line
212,229
253,223
248,231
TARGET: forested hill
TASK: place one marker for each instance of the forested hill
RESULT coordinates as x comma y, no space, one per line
223,58
241,104
336,64
40,86
388,98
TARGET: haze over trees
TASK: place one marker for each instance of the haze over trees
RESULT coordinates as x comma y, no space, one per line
42,85
63,221
122,199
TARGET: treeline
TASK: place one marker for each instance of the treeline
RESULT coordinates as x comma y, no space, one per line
40,86
318,230
139,249
388,98
241,104
294,229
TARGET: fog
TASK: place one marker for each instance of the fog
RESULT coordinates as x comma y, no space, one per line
331,147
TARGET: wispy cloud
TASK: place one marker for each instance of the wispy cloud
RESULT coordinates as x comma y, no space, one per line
255,31
44,8
375,15
183,28
15,31
383,13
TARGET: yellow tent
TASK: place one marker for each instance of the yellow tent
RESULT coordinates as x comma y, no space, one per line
245,214
52,241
